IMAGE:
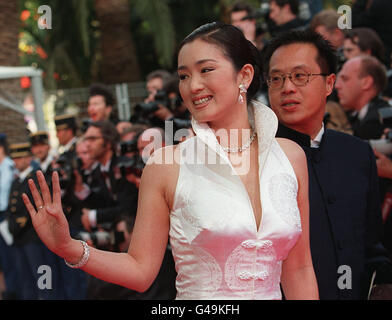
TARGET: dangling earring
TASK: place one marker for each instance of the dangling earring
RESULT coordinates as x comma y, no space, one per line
242,90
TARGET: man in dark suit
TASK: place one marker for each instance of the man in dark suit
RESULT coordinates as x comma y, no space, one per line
345,217
359,85
109,194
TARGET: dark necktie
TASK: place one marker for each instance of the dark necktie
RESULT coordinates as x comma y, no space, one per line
106,178
354,121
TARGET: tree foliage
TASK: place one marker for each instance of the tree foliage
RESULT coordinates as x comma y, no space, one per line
72,55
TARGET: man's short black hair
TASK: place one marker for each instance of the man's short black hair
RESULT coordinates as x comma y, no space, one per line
109,133
242,6
98,89
293,4
326,59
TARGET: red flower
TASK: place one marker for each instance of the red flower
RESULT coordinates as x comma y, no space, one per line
24,15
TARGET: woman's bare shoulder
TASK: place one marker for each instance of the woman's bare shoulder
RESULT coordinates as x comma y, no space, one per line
295,154
162,170
292,150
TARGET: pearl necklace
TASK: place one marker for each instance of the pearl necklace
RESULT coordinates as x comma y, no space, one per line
243,147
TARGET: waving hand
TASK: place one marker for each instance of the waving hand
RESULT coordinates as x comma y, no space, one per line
47,214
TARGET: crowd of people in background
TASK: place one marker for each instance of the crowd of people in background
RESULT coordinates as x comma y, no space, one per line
100,161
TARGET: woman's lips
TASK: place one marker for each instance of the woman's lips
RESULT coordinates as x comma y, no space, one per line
201,101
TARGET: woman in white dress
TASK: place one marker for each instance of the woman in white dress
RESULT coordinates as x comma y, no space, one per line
233,199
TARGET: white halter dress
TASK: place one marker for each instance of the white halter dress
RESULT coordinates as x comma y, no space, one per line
218,251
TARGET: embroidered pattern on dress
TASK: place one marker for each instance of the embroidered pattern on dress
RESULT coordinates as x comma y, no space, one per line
210,267
283,189
253,260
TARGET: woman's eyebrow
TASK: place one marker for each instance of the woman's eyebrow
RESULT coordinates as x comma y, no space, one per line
197,63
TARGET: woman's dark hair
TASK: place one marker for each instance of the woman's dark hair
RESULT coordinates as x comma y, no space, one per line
235,47
326,58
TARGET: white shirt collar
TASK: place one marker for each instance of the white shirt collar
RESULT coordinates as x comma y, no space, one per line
315,143
22,175
68,146
362,113
106,167
45,164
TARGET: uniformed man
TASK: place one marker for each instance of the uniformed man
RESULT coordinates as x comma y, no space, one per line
7,259
66,128
40,149
31,254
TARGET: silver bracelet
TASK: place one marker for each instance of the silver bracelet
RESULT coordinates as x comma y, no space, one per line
83,260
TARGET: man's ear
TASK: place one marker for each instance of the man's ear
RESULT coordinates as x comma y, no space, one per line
367,82
330,82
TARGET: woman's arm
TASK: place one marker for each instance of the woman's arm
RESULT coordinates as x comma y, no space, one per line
136,269
298,278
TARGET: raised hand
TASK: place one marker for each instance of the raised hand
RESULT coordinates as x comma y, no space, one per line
47,215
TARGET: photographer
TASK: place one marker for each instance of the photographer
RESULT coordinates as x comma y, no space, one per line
165,105
108,194
147,142
133,167
87,163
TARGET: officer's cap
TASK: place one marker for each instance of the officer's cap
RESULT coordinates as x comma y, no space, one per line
65,121
18,150
39,137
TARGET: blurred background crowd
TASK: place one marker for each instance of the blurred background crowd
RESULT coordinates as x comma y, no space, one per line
108,96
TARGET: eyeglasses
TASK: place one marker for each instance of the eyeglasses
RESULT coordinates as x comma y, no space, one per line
300,78
91,138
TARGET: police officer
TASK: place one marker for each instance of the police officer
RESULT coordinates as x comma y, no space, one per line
7,259
31,254
66,128
40,149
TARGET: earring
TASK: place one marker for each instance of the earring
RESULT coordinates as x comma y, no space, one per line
242,90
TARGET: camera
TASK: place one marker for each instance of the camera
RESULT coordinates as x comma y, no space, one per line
65,168
85,124
128,146
144,110
131,165
106,238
